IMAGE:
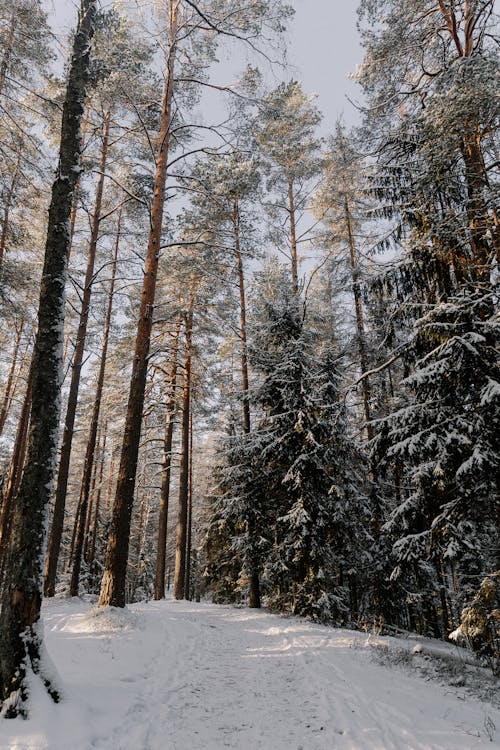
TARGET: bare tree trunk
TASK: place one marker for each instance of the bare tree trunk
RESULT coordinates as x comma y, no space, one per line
113,581
111,476
82,521
159,588
189,533
15,472
360,323
243,319
94,423
7,397
77,515
465,26
9,45
145,505
76,194
90,554
180,546
8,204
92,495
20,639
56,529
477,212
254,593
293,237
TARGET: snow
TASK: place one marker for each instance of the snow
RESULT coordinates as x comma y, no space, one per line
185,676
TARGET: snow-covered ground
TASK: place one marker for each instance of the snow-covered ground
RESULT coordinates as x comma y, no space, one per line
184,676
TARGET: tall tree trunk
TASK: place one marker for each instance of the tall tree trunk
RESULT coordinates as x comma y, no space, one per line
180,545
360,323
76,193
20,639
8,204
111,477
113,581
366,394
477,212
189,533
83,521
94,423
90,554
7,396
15,471
91,496
77,522
254,593
465,25
243,319
293,237
145,506
9,46
159,588
56,529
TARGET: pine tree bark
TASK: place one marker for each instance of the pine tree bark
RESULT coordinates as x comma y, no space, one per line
159,587
20,639
9,46
254,593
189,533
111,477
477,212
465,26
94,424
56,529
360,323
15,472
91,494
7,397
8,204
113,581
181,536
76,194
293,237
76,519
145,506
243,319
92,536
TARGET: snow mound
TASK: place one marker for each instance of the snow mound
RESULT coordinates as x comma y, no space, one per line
111,619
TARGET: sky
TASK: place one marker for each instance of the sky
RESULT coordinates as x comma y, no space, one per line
323,50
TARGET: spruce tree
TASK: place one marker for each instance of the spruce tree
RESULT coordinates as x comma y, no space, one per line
445,531
290,490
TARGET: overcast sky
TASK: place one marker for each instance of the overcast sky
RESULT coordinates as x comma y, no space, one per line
324,45
323,50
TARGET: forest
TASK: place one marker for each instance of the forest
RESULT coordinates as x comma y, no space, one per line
248,356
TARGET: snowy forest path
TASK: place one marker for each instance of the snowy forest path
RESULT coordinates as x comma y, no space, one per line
186,676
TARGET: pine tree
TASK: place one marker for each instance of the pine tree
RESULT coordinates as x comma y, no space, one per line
118,65
193,46
433,76
159,587
21,640
285,133
224,211
341,204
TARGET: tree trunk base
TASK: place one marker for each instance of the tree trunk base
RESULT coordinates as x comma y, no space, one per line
254,594
13,679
